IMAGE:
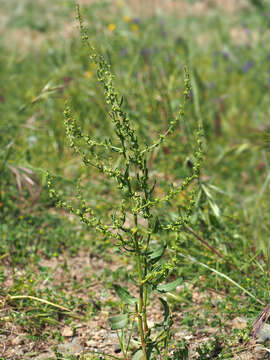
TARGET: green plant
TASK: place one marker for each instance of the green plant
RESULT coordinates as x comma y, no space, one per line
181,351
209,350
137,221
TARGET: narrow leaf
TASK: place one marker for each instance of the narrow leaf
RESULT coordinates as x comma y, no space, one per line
156,225
138,355
124,295
207,192
157,253
121,101
214,208
170,286
118,322
166,309
190,258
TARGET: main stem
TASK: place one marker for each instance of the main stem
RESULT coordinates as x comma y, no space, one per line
141,308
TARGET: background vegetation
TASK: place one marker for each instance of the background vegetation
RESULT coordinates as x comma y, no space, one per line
42,63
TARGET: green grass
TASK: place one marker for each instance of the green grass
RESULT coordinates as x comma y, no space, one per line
231,81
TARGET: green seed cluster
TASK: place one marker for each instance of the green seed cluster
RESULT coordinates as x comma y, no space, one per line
130,175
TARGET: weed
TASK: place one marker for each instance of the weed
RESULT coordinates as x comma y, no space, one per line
135,223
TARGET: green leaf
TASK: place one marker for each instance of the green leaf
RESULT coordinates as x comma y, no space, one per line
124,295
207,192
170,286
156,225
166,309
242,148
118,322
138,355
155,274
157,253
214,208
211,202
216,189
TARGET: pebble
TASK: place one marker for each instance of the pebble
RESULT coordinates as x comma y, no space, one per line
116,349
91,343
67,331
72,348
46,356
151,324
260,353
17,340
239,323
263,334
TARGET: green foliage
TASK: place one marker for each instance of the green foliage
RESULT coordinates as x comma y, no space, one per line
124,158
209,350
33,236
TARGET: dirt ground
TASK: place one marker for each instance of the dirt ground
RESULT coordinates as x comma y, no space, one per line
85,337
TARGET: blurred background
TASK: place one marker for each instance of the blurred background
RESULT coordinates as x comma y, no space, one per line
224,43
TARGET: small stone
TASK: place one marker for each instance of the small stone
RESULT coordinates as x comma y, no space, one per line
46,356
74,347
263,334
102,333
67,331
207,330
91,343
215,301
113,336
17,340
259,352
183,334
239,323
116,349
151,324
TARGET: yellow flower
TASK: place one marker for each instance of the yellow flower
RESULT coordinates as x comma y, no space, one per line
88,74
111,27
127,18
41,231
120,3
135,28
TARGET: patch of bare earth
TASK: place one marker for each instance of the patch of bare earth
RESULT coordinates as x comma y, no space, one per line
84,336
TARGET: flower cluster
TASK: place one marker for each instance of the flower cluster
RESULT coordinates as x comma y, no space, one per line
136,220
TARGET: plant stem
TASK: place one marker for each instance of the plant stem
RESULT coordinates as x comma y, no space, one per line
145,302
166,346
140,323
120,340
141,288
